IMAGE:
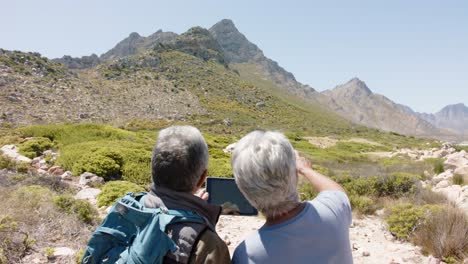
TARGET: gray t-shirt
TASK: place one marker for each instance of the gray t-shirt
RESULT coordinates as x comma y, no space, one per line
319,234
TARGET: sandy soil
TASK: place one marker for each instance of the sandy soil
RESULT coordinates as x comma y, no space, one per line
368,235
326,142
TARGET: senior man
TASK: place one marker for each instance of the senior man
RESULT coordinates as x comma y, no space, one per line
266,169
179,168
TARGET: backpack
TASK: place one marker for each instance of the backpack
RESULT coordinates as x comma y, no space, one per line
134,234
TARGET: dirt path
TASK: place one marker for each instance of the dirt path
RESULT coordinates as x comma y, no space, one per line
368,235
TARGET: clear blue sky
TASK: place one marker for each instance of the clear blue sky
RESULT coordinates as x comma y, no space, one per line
414,52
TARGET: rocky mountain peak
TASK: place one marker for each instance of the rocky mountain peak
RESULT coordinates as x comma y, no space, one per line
225,25
198,42
236,46
354,87
134,35
356,82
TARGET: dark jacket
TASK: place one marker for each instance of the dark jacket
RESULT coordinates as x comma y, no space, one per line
198,243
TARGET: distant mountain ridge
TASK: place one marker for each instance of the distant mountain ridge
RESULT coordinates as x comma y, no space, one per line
453,117
356,102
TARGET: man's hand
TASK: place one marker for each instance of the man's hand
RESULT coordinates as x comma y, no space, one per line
201,193
302,164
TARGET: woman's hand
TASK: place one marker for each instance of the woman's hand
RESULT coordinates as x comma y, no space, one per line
302,164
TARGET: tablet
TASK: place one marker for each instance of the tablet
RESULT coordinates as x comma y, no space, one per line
224,192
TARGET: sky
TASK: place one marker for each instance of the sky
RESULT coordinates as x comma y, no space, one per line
414,52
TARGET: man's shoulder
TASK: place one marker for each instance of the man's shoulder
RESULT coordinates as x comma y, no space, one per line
211,248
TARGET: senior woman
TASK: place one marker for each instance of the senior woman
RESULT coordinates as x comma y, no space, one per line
266,169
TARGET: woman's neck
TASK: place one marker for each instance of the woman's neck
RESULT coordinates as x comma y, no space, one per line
285,216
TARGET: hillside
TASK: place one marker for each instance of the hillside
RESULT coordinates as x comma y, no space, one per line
454,117
356,102
225,44
214,78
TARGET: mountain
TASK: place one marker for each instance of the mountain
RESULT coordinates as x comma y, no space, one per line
239,50
356,102
184,80
453,117
211,75
79,63
134,43
127,47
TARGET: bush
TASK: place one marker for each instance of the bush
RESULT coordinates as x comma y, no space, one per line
307,192
102,166
22,167
458,179
64,202
82,209
397,184
359,186
363,204
113,190
444,234
34,147
85,211
6,162
403,219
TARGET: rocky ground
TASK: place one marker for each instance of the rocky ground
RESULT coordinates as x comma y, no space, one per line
370,240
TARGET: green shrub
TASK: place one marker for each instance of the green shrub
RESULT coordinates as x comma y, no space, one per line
64,202
98,164
34,147
360,185
363,204
22,167
396,184
403,219
458,179
307,192
6,162
113,190
84,211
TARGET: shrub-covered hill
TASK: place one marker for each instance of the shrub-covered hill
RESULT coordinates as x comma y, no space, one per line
159,84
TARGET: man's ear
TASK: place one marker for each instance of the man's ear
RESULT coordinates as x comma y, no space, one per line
202,179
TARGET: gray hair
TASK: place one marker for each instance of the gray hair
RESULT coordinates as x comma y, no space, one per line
180,157
264,165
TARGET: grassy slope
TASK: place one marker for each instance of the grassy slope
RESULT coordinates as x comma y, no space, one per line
224,94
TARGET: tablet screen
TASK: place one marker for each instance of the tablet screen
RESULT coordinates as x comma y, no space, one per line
224,192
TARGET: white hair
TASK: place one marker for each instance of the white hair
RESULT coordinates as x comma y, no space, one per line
264,165
180,157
